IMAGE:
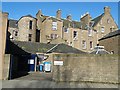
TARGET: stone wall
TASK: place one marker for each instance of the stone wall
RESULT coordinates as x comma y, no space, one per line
114,44
6,68
92,68
3,30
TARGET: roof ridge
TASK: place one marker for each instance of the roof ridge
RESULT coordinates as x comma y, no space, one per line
13,19
97,16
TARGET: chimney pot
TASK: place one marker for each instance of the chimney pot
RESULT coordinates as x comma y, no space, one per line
69,17
58,14
106,9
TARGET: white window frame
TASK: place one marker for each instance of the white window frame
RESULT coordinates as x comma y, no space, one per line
54,36
54,26
67,29
76,37
108,20
84,44
90,32
102,29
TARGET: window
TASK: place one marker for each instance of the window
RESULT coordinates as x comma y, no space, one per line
100,21
84,44
30,24
66,30
91,46
16,33
54,26
89,32
108,21
75,34
54,36
102,29
111,29
30,37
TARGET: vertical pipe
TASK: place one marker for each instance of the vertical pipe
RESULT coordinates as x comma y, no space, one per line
10,69
35,63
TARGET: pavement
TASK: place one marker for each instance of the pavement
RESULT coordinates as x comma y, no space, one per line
44,80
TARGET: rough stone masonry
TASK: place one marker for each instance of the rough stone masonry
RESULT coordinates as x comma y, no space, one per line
92,68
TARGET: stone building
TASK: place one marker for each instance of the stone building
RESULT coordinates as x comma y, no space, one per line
13,29
83,34
27,28
113,39
23,29
3,29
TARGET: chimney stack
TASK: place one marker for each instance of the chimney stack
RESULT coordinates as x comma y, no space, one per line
106,9
58,14
39,13
69,17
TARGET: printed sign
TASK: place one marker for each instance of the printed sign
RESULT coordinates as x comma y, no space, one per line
31,61
58,62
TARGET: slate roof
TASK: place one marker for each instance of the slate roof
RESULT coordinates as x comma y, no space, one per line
34,47
73,24
63,48
97,19
100,52
27,16
111,34
13,49
12,23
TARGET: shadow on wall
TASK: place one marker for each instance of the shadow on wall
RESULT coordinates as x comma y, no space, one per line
18,60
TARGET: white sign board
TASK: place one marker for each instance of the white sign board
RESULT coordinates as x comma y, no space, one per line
58,62
31,61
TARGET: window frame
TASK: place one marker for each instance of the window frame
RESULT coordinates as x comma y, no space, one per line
66,30
108,21
29,37
103,30
30,24
75,36
91,44
54,26
84,44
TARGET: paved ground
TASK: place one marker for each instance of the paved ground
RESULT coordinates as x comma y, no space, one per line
43,80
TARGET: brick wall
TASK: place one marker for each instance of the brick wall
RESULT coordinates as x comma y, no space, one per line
93,68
